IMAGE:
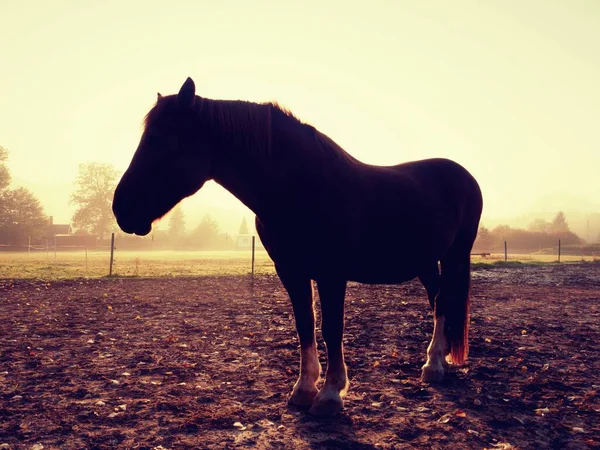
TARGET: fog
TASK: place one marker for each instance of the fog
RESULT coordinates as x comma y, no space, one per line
509,90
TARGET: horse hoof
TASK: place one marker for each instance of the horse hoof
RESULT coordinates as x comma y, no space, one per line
326,406
303,397
432,375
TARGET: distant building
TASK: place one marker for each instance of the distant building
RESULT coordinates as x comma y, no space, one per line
244,238
53,229
62,236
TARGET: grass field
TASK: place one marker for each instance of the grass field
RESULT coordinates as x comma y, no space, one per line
76,264
65,265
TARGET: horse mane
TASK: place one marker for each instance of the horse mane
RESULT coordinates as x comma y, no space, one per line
246,123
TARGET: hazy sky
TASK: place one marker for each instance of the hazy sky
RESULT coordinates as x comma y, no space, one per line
511,89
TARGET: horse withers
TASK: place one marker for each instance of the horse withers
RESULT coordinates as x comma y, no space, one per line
322,216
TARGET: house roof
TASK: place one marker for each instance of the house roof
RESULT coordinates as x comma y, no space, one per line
55,229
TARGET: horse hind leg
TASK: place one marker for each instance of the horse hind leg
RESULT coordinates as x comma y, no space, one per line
430,279
451,313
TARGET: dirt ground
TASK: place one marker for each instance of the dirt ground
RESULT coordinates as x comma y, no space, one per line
209,363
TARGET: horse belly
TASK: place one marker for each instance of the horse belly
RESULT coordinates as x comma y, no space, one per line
383,271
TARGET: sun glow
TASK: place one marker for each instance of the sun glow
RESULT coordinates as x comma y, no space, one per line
509,91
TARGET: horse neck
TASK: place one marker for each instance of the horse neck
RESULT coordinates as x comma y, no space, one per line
270,168
238,159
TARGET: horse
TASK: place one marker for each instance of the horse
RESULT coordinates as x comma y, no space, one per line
322,216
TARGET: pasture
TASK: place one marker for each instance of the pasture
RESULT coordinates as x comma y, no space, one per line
208,362
50,265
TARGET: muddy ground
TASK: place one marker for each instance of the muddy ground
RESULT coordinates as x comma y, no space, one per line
209,363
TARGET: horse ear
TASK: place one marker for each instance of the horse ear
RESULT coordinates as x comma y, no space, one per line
187,94
158,96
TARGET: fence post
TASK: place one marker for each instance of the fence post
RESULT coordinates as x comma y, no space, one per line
559,250
29,247
253,247
86,265
112,252
47,254
54,248
505,252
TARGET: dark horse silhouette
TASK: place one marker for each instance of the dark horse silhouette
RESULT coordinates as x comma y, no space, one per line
321,214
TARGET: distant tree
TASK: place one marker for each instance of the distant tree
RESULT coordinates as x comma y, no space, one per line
4,172
177,223
559,224
243,227
206,234
95,186
22,216
520,239
4,183
484,239
539,226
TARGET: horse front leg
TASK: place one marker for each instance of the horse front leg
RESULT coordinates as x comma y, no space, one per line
300,290
328,401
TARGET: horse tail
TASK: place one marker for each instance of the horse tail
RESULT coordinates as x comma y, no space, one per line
453,303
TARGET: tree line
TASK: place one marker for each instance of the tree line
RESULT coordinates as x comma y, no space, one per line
539,235
22,216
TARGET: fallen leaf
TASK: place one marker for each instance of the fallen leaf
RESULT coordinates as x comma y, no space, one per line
504,446
542,411
460,413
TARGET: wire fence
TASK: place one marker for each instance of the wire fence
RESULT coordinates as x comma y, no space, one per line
74,261
558,253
